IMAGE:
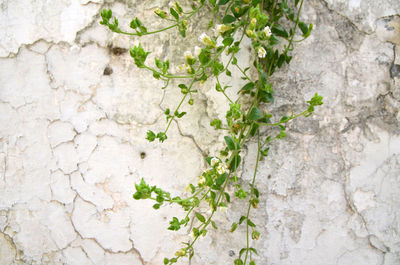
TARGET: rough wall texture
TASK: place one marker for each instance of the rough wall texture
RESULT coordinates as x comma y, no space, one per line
74,111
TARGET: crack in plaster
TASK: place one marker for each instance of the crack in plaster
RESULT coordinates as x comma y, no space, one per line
351,206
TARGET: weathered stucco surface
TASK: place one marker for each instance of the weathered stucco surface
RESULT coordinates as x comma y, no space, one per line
74,112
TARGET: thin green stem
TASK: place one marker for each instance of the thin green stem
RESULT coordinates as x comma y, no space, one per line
169,76
282,122
295,27
163,29
222,89
177,109
251,195
191,209
244,73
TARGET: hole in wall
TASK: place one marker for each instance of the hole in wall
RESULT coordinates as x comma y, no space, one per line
118,50
142,155
108,70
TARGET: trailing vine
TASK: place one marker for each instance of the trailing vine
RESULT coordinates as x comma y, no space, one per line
272,26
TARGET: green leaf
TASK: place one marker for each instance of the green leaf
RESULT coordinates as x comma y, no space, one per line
205,56
252,262
229,142
133,24
254,114
161,136
250,223
200,217
281,135
288,58
281,60
228,19
233,227
228,41
209,180
220,180
284,119
174,224
216,123
139,55
241,194
180,10
180,115
227,197
214,225
156,206
235,163
106,14
304,28
279,31
217,67
253,129
256,192
174,13
254,251
242,218
222,2
316,100
247,87
238,262
151,136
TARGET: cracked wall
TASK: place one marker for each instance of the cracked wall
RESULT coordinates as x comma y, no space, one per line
74,112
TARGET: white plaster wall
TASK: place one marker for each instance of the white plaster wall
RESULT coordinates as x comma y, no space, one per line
72,141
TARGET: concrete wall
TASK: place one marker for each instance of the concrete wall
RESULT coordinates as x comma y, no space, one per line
74,112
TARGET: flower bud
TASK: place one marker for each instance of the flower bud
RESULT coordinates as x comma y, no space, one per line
160,13
189,57
251,34
221,28
253,23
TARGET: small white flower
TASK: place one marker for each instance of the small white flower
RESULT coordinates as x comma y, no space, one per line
261,52
197,51
267,32
214,161
205,39
221,169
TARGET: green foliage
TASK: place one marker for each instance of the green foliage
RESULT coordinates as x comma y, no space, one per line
139,55
266,23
